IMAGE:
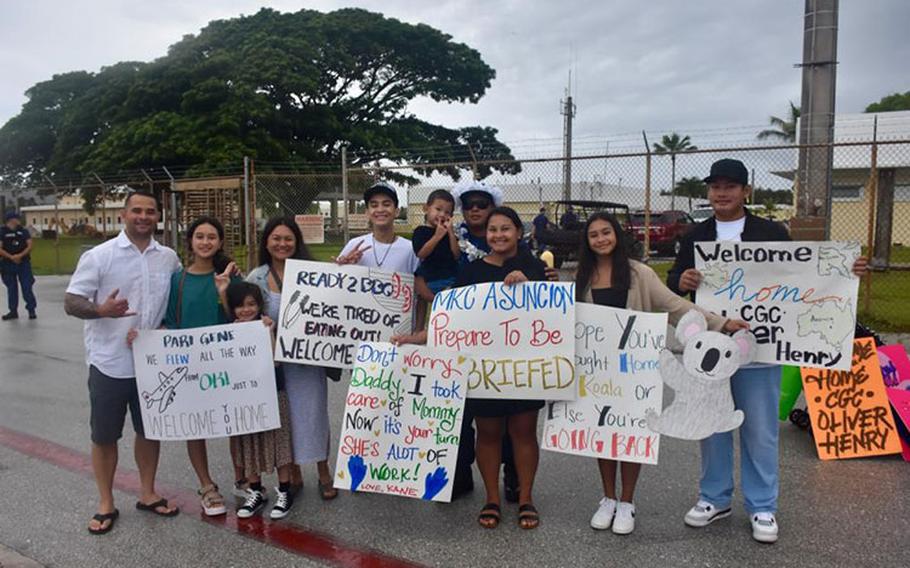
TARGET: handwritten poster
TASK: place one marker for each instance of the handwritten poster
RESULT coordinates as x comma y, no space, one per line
206,382
895,366
900,401
850,413
402,421
799,297
617,356
520,337
327,310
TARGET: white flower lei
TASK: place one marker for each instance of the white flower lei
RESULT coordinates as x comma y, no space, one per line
466,246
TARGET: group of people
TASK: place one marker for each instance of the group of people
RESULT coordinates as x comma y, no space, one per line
132,282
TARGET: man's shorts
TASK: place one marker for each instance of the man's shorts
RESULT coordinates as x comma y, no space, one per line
109,398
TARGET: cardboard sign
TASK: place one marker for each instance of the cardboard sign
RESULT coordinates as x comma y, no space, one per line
617,356
519,336
206,382
402,421
799,297
312,228
327,310
895,366
900,401
850,413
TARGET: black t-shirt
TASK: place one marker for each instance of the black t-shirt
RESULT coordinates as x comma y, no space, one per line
612,297
480,271
14,240
441,263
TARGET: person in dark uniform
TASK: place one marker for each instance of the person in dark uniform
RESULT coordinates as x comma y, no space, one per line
16,266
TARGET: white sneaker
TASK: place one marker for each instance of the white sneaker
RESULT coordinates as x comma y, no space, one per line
604,515
255,500
624,521
283,504
704,513
764,527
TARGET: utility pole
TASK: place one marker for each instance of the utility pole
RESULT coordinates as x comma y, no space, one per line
568,111
819,67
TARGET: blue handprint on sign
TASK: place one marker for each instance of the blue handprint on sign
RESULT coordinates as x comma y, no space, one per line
434,483
358,471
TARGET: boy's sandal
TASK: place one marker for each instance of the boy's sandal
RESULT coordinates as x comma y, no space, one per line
327,491
528,517
212,501
489,516
101,517
154,508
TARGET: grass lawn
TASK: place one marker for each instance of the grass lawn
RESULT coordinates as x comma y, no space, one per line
44,254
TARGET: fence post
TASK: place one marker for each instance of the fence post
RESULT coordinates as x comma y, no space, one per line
872,184
647,254
344,192
103,208
173,207
249,214
56,224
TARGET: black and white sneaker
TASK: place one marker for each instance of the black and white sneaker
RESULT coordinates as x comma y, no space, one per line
704,513
255,500
283,504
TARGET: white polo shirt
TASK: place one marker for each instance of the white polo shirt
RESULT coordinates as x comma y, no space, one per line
143,278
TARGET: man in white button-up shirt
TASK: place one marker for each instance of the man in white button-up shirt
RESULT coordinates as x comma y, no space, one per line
118,285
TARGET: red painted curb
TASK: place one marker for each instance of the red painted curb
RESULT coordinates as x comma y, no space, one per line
282,534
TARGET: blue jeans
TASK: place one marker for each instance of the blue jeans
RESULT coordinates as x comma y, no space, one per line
15,275
757,393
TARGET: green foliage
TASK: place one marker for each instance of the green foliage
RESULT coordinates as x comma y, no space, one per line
673,144
279,87
778,196
692,187
784,129
897,101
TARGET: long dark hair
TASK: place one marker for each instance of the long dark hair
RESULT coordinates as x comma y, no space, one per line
238,291
220,261
301,252
621,276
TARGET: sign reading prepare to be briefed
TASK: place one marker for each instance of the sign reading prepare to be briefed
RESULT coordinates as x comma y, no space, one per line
850,413
206,382
402,421
799,297
617,361
327,310
519,337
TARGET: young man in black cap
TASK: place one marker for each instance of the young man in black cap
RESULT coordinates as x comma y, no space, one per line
756,387
16,266
382,248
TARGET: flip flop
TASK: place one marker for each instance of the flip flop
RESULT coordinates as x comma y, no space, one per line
101,517
489,516
327,492
153,508
528,517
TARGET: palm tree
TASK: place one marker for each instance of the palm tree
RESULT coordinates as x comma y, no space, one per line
673,144
784,130
691,187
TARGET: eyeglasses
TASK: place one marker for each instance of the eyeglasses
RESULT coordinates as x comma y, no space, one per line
477,204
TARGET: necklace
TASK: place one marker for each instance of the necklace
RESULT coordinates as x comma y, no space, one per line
386,255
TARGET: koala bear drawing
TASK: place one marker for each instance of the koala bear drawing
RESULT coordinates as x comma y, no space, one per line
703,403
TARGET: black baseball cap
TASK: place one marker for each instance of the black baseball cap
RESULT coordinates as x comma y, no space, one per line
383,188
731,169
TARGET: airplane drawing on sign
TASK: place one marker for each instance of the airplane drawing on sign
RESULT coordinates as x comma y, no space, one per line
164,394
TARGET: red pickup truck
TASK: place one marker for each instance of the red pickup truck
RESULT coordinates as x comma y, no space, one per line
667,228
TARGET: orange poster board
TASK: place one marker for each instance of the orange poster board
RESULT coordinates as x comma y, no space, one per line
850,413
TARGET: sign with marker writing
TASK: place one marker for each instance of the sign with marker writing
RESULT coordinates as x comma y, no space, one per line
850,413
895,366
798,297
206,382
327,310
402,421
617,355
519,336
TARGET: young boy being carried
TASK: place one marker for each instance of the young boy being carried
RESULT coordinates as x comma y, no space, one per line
436,245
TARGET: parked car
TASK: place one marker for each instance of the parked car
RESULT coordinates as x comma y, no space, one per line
667,229
563,241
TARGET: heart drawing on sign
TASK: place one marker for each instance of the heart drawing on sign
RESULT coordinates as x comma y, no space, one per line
421,455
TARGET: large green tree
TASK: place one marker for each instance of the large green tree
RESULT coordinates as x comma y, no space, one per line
897,101
673,144
784,129
280,87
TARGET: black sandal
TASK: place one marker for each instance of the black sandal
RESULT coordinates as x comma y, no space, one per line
489,516
153,508
101,517
528,517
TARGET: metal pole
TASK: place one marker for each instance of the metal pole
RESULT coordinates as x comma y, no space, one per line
173,207
103,207
870,234
56,224
344,192
647,254
250,215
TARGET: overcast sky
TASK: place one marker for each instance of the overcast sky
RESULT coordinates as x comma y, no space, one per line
658,65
